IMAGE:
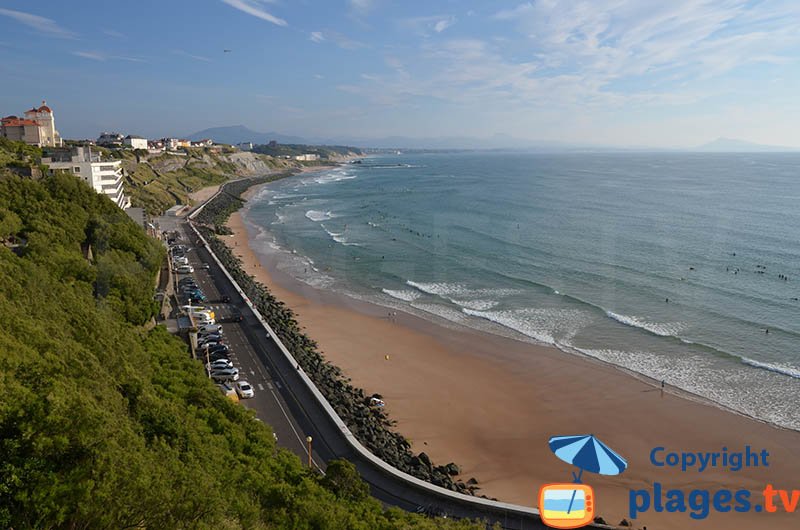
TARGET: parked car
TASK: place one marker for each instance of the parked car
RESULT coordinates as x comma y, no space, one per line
224,348
225,374
202,341
214,328
244,389
184,269
217,356
219,364
211,337
180,260
186,279
228,391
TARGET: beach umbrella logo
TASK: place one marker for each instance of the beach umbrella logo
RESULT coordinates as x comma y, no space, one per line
572,505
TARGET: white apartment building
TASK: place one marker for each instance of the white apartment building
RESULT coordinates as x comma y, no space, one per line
135,142
307,157
105,176
38,127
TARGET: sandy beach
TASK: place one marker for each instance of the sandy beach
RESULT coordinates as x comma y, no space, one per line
490,404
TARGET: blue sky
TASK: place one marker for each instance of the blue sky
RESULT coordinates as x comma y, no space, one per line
613,72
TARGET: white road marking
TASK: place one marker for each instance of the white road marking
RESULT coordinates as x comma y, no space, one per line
269,385
260,386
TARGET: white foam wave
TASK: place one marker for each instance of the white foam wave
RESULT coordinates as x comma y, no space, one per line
477,305
460,291
406,296
441,311
319,216
772,367
339,237
438,289
550,326
666,329
333,176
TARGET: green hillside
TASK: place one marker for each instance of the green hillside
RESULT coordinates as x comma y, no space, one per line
105,422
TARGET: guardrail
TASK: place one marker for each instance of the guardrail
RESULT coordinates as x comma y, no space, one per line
340,424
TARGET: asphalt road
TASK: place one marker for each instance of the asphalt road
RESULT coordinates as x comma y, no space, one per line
284,402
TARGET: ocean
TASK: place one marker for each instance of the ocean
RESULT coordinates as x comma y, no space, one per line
681,267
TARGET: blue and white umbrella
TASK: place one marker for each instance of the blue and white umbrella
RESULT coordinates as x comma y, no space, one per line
588,453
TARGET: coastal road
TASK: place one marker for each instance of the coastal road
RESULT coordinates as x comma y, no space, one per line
284,401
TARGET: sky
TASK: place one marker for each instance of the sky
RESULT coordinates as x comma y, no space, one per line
658,73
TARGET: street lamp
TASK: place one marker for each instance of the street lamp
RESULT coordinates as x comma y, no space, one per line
309,440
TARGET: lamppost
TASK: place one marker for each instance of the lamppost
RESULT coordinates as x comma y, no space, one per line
309,440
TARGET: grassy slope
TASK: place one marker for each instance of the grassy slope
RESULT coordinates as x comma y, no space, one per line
166,180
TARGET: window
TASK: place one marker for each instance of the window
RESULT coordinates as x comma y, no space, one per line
76,169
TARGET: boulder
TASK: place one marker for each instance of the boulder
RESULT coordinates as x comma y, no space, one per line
452,469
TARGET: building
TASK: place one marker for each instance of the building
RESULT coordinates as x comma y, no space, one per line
245,146
205,142
105,176
38,127
170,144
307,157
135,142
184,143
110,139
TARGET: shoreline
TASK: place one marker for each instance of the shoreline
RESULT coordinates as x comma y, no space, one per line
478,386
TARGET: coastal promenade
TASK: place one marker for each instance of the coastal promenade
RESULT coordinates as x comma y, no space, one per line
295,411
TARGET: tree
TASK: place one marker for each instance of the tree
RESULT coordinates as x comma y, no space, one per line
343,480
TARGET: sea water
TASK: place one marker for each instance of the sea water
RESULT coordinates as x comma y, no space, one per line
670,265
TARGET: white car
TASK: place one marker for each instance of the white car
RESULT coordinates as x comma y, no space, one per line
225,374
211,328
180,260
219,364
245,390
184,269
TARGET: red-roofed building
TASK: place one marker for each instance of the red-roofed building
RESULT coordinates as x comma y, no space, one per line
38,127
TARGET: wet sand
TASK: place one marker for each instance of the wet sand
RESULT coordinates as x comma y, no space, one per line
490,404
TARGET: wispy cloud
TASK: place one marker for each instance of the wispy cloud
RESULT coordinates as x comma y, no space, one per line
443,25
94,56
339,39
43,25
604,55
114,33
192,56
100,56
612,39
361,6
427,24
256,9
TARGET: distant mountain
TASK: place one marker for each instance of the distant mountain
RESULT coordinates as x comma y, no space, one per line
732,145
235,134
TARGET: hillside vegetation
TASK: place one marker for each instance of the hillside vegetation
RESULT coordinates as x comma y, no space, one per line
106,423
325,152
160,182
